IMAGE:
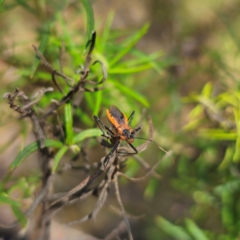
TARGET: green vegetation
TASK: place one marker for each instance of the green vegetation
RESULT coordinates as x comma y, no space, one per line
189,87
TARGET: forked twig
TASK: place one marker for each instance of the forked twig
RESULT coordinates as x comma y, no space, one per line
122,208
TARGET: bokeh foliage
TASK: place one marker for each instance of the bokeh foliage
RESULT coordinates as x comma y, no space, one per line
190,88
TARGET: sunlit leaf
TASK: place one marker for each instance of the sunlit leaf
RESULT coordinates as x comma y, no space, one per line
106,32
58,157
20,215
227,159
94,132
172,230
207,90
68,120
32,148
217,134
98,97
128,70
6,199
236,156
130,93
194,230
129,44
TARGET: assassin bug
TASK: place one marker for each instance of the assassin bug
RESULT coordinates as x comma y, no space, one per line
120,129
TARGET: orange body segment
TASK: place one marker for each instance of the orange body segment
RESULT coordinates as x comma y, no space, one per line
119,121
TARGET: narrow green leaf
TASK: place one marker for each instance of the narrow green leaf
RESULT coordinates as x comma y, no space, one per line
32,147
90,18
196,112
207,90
1,2
20,215
172,230
129,44
105,33
84,117
193,124
94,132
151,189
68,118
98,102
226,162
43,44
58,157
5,199
157,65
90,100
236,157
194,230
218,134
129,92
125,70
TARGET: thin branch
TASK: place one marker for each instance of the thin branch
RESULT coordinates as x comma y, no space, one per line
122,208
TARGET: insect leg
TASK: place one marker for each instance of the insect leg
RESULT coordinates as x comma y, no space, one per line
136,151
131,118
137,129
101,125
106,159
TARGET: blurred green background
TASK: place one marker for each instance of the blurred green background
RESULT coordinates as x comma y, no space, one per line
176,61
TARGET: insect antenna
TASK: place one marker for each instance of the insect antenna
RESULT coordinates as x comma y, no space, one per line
165,151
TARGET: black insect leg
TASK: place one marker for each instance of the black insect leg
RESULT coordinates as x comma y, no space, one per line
101,125
106,159
131,118
136,130
135,150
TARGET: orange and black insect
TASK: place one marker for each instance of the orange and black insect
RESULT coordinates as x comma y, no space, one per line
120,129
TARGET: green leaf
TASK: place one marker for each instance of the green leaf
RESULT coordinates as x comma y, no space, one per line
90,18
1,2
193,124
151,189
129,92
172,230
157,65
68,123
236,157
43,44
129,44
20,215
5,199
84,117
125,70
98,102
194,230
32,148
94,132
226,162
58,157
106,32
217,134
207,90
